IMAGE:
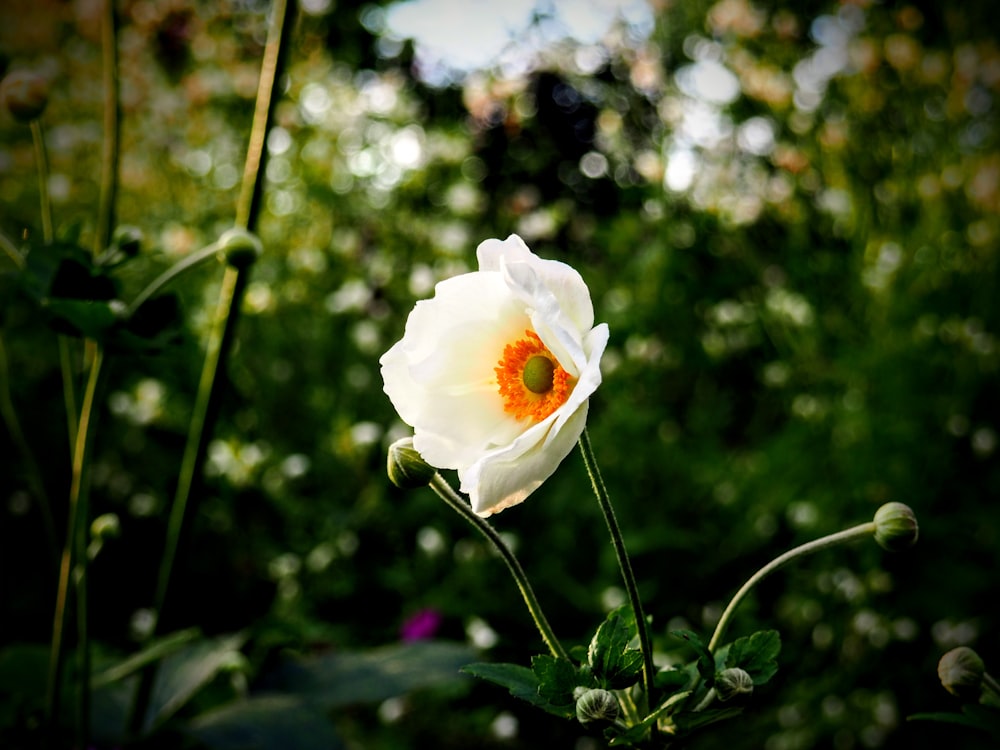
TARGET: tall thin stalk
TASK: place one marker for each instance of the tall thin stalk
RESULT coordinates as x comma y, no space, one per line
218,346
448,494
590,461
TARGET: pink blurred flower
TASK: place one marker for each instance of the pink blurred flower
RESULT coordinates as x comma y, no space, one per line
420,626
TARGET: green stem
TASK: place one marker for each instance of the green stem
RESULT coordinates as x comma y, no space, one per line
446,493
12,252
847,535
42,164
112,118
251,189
69,390
76,528
185,263
648,670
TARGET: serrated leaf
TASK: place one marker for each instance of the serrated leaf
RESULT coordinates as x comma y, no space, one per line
557,678
260,722
706,664
522,683
614,663
757,654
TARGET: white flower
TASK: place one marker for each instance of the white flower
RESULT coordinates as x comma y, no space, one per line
495,371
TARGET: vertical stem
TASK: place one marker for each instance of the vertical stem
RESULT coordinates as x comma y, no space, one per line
856,532
79,498
112,118
648,670
218,346
446,493
275,51
42,164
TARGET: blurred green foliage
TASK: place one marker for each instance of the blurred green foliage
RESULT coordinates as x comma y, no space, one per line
787,214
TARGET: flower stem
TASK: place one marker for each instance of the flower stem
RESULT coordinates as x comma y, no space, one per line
112,122
648,670
185,263
73,561
218,347
446,493
840,537
42,165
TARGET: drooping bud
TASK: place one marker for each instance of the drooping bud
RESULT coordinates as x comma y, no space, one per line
127,239
25,93
240,248
732,683
895,526
961,672
595,706
407,468
106,526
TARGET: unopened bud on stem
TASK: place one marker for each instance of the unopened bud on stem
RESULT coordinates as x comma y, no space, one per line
961,672
597,706
240,248
732,683
895,527
407,468
26,94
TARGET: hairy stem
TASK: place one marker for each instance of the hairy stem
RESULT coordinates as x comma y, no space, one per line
840,537
450,496
648,669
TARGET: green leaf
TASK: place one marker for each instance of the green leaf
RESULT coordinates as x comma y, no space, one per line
80,317
185,671
706,664
671,680
557,679
613,661
354,677
522,682
263,722
757,654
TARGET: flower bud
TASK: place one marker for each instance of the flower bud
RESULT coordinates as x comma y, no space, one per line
596,705
106,526
961,672
406,468
25,93
895,526
733,682
240,248
128,239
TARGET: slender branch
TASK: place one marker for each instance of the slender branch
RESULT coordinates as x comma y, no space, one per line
112,122
78,506
840,537
275,51
188,261
42,165
446,493
648,669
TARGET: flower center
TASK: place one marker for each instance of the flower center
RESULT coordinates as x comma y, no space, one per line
530,379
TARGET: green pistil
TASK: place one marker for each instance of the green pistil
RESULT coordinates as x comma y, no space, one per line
538,374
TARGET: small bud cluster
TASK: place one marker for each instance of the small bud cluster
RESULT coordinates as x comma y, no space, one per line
732,683
240,248
961,672
597,706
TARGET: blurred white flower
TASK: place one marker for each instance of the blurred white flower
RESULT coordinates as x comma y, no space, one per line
495,371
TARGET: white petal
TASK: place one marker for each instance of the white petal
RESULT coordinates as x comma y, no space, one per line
507,476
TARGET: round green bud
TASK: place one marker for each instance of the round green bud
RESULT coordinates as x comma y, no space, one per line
26,94
128,239
105,526
732,683
406,468
538,374
895,526
597,706
240,248
961,673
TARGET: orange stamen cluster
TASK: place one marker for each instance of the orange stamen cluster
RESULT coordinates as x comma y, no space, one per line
518,399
